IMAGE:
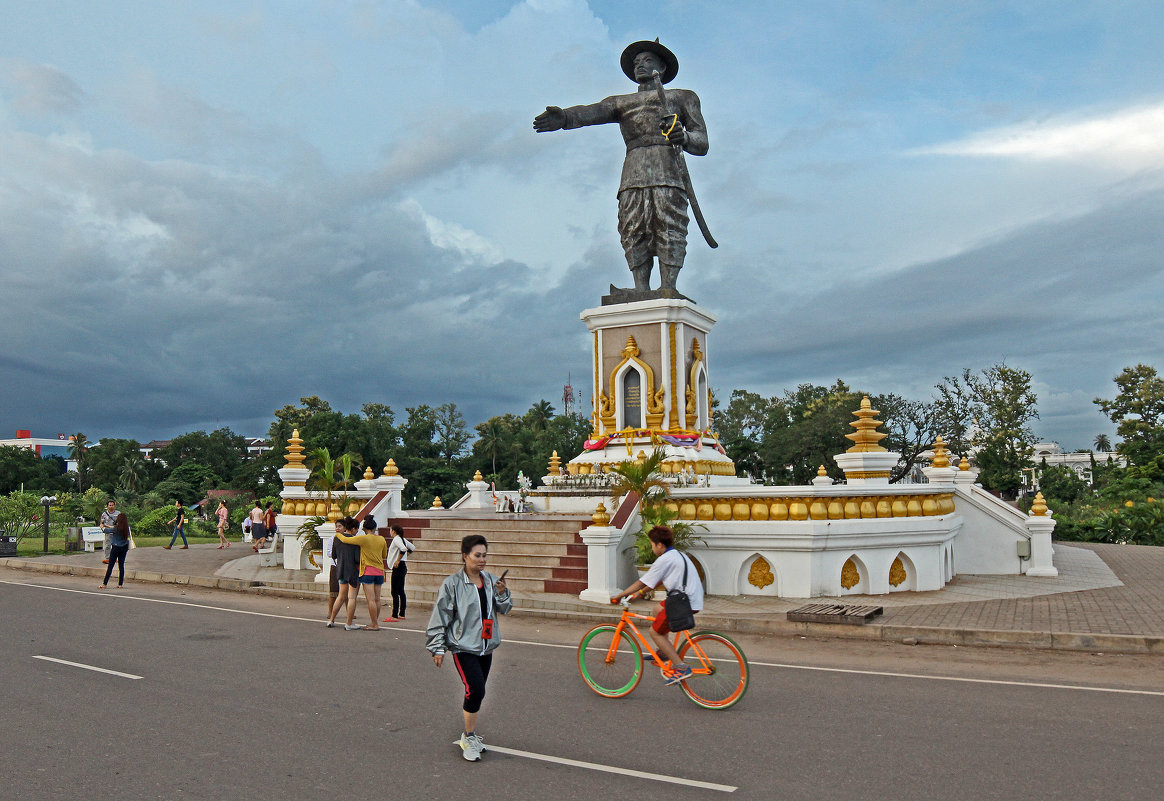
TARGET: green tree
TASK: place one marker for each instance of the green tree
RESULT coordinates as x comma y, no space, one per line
133,471
21,467
1102,443
1061,485
106,460
1138,412
221,452
956,409
912,428
742,426
188,482
1007,440
818,419
79,453
19,514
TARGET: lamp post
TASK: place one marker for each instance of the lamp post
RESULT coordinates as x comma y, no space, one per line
47,500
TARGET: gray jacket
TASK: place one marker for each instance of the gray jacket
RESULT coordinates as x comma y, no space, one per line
455,624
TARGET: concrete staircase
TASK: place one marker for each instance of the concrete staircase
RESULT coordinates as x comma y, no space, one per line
543,553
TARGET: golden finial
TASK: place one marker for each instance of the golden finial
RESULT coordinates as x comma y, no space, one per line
640,457
632,347
941,459
820,471
477,476
295,455
964,464
334,513
696,355
866,437
600,517
555,464
390,469
1039,507
436,503
368,474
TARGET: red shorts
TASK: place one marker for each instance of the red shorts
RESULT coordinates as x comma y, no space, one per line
660,624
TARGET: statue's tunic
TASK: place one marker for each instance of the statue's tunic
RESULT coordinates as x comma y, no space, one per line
652,204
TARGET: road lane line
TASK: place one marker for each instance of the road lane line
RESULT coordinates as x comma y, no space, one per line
86,667
890,674
778,665
638,774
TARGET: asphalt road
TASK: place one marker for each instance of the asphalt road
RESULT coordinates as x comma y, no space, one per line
251,697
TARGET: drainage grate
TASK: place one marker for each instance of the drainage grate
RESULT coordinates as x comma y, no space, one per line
834,613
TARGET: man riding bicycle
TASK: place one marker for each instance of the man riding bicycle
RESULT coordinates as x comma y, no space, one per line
667,569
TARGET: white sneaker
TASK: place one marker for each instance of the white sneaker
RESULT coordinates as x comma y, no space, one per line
470,746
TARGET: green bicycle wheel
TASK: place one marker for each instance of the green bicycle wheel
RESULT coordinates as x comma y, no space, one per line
719,670
610,669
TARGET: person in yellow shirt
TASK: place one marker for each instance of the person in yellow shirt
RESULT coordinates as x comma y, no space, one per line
373,556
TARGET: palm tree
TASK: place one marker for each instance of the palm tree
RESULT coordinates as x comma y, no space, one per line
78,449
539,415
492,439
132,470
1103,444
642,478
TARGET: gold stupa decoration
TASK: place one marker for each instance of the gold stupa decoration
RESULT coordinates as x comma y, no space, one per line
295,455
1039,507
334,513
866,437
477,476
368,474
964,465
390,468
555,465
600,517
820,471
436,503
941,458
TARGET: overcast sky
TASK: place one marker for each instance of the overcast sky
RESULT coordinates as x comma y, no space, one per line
211,209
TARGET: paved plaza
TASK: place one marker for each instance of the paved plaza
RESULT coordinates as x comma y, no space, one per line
1106,598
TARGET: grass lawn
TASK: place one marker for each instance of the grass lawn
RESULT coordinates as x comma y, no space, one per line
34,546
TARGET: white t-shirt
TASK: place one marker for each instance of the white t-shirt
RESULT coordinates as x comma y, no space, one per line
668,571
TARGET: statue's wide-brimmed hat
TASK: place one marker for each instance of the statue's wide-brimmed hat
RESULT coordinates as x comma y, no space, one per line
670,70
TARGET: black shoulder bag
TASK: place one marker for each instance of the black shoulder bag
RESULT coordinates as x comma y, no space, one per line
678,605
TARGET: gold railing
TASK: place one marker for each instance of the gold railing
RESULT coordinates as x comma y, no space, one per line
816,507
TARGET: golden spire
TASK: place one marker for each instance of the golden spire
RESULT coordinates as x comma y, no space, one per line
368,474
941,458
477,476
632,347
436,503
964,464
295,455
866,437
555,464
1039,507
820,471
390,468
600,517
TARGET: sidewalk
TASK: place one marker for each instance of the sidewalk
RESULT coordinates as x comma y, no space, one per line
1106,598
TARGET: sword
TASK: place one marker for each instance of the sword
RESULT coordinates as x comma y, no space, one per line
681,164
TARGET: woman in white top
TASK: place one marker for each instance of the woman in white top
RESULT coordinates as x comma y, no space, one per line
398,551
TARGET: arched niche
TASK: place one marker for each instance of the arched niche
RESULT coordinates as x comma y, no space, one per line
757,576
902,574
631,385
854,576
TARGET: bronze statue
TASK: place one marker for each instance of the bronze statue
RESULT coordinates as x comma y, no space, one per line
658,126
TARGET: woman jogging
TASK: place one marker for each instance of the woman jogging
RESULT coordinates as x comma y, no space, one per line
222,513
464,623
373,552
119,547
398,551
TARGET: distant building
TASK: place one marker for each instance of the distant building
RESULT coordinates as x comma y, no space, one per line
147,450
1079,463
44,446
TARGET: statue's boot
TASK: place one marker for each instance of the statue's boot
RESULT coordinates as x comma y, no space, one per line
642,275
668,273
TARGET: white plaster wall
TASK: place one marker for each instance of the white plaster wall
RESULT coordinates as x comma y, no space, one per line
988,543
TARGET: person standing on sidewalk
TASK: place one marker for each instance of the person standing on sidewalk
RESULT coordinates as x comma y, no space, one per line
464,623
398,551
258,528
222,513
108,520
179,523
118,549
345,574
373,552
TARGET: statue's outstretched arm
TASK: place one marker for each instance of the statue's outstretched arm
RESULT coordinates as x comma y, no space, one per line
552,119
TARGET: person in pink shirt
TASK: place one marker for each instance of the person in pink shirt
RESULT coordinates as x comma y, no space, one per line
222,513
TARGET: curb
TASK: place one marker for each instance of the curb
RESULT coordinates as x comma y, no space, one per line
777,626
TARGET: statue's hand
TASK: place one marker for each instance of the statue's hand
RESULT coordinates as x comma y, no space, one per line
552,119
672,128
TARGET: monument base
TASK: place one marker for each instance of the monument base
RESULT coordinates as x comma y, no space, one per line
631,295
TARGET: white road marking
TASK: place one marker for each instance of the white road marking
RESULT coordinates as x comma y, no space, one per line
637,774
87,667
778,665
889,674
